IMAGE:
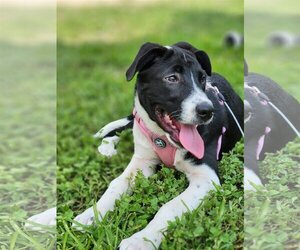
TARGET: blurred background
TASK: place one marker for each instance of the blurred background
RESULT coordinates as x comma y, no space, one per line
272,45
28,120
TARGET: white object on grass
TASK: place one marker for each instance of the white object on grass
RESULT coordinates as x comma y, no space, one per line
107,147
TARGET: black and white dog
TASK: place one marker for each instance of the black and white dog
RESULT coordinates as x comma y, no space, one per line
266,130
181,118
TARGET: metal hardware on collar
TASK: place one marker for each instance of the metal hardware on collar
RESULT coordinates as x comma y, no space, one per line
164,150
217,92
160,143
263,96
221,96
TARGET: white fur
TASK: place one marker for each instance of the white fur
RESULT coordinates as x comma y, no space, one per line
188,106
201,180
46,218
107,147
250,178
151,125
111,126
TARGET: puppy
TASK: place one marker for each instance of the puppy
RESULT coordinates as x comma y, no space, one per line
266,131
181,119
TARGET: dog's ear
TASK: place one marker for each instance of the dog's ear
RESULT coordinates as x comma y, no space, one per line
146,55
201,56
204,61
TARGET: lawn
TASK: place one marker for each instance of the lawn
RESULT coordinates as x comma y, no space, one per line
272,212
279,63
28,126
95,47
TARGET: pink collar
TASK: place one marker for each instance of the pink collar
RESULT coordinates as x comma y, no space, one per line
161,145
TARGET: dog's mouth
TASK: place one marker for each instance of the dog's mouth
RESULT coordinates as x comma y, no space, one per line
168,123
185,135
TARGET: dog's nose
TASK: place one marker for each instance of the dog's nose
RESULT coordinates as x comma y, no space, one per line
205,110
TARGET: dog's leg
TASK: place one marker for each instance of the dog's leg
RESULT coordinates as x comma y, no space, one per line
201,180
46,218
144,159
116,188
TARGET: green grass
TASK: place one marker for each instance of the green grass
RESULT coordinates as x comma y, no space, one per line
272,212
27,163
216,224
280,64
96,45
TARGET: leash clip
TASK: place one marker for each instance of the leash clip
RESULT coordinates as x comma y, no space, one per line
221,97
263,96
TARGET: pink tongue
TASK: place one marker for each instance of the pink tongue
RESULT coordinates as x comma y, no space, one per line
191,140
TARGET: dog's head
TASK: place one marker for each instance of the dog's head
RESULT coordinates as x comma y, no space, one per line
171,85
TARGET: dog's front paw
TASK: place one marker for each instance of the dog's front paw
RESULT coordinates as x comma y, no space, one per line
137,242
86,218
46,218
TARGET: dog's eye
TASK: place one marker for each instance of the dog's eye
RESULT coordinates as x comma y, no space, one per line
172,79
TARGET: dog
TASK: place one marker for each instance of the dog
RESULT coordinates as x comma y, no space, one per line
179,119
283,39
266,131
233,39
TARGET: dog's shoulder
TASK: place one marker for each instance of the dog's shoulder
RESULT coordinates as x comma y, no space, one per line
277,95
